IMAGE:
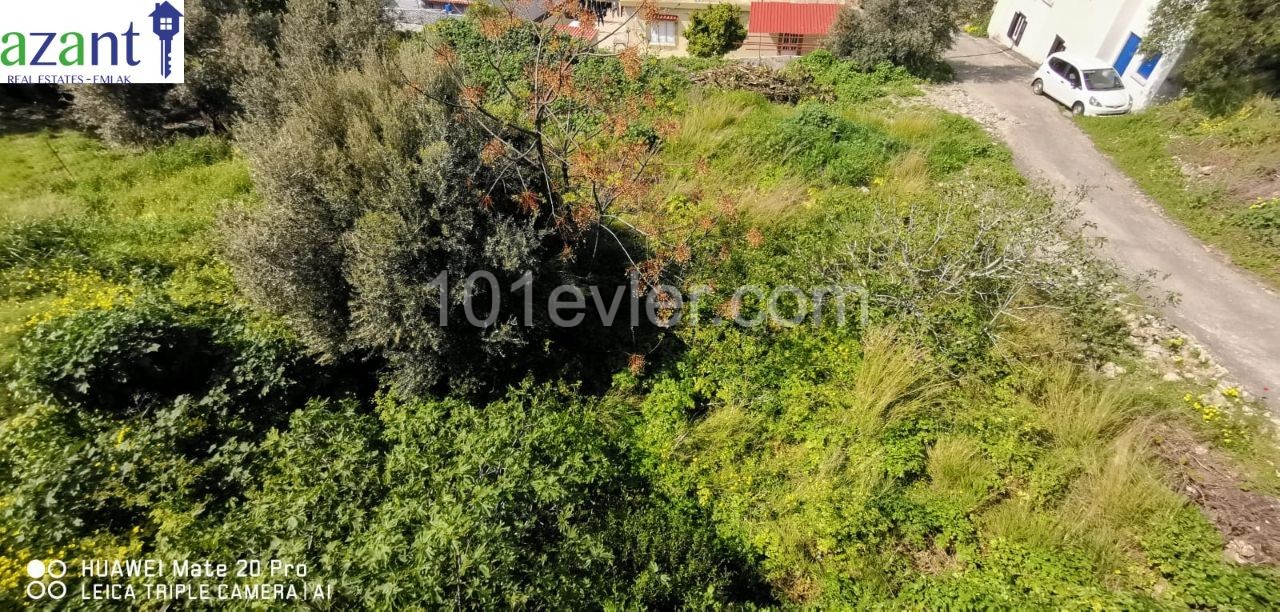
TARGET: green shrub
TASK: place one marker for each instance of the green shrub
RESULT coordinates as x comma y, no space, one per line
117,359
1263,220
531,500
853,82
910,33
234,53
820,144
143,405
715,30
1187,552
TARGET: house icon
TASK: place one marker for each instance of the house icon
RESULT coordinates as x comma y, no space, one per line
166,23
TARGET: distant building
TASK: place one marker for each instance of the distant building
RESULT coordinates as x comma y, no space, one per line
773,28
1110,30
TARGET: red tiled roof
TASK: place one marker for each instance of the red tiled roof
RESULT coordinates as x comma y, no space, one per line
792,17
585,33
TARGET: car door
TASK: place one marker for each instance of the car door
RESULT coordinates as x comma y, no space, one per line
1072,86
1055,82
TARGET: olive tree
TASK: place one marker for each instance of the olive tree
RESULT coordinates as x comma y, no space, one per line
406,202
911,33
229,46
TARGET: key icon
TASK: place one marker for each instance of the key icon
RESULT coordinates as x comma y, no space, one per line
165,22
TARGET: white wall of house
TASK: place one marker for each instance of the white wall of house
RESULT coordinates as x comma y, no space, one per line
1100,28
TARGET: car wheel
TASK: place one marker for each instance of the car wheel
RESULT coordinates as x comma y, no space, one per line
1037,87
1077,109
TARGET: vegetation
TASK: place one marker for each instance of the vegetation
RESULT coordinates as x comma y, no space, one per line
715,30
231,46
1214,174
230,350
1234,48
910,33
976,15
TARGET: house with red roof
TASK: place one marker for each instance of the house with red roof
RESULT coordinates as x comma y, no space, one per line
774,28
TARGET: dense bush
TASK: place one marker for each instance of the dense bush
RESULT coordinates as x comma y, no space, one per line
315,37
715,30
223,40
1232,47
118,359
820,144
138,405
1263,219
851,82
532,500
232,48
354,230
911,33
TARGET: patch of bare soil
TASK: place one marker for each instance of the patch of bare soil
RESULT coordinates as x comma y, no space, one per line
1249,521
1245,174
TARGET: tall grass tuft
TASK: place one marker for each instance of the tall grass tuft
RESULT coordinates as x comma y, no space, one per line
1080,412
1115,500
914,126
959,472
711,120
892,380
908,176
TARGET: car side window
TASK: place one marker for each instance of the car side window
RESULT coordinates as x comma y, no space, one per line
1073,76
1056,65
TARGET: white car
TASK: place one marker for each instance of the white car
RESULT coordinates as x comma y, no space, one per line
1086,85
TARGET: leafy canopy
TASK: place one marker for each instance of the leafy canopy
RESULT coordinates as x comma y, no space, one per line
715,31
1234,47
911,33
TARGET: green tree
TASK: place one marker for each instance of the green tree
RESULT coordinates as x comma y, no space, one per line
354,229
911,33
715,31
222,39
233,52
1233,47
490,146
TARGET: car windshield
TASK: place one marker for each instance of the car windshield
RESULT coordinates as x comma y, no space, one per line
1103,80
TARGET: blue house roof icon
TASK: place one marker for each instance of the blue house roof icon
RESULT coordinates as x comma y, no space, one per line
164,9
166,22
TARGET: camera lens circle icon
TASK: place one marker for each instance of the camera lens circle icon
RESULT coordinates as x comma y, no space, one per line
35,569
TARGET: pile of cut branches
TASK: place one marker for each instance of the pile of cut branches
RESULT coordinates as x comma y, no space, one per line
777,86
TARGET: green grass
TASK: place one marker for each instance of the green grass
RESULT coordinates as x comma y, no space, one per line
869,467
916,462
77,218
1235,206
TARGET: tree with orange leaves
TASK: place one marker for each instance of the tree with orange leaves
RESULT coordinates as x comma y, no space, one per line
404,200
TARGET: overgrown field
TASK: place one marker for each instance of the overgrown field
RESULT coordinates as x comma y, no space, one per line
955,448
1217,175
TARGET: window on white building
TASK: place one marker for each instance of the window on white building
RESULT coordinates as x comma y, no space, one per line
662,33
1148,65
1017,27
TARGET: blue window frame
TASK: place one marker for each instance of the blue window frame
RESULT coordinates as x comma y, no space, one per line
1148,66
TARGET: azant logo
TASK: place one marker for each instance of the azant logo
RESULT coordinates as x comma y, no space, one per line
64,41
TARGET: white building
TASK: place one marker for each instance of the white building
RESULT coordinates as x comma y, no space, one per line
1110,30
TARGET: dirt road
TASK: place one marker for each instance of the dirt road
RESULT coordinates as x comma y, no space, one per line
1222,307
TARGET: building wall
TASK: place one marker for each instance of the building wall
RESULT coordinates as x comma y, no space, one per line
1099,28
